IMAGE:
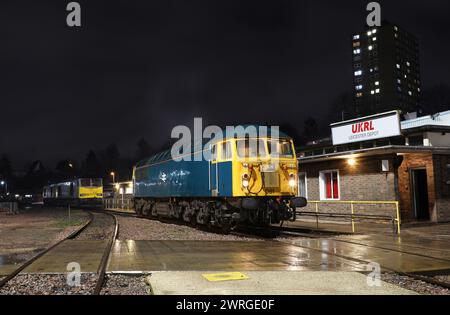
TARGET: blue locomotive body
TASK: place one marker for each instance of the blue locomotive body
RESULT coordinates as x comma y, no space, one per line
162,177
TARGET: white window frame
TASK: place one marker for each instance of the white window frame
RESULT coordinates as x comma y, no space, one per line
306,184
322,188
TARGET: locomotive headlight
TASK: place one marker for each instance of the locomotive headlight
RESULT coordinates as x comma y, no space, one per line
245,180
292,180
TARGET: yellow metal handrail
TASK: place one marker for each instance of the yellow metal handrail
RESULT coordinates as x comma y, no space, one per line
352,203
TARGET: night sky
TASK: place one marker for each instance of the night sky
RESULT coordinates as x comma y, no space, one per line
136,69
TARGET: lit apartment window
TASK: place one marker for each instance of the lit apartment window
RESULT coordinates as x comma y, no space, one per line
374,31
357,51
329,185
359,87
377,91
356,37
372,92
408,64
369,33
410,93
356,44
418,89
359,94
396,28
399,81
398,66
370,47
374,39
358,73
377,83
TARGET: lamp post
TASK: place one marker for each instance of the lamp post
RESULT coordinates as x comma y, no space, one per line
113,176
5,190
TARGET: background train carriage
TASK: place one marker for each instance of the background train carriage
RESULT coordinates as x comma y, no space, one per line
236,185
76,192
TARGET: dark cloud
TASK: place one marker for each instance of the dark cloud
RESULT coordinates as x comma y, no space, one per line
138,68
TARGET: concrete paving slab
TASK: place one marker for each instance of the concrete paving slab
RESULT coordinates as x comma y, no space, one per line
87,253
271,283
221,255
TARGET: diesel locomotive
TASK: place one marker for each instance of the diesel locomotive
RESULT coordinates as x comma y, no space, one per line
75,192
236,185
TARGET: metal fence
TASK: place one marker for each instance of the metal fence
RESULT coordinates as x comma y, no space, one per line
118,204
348,212
9,207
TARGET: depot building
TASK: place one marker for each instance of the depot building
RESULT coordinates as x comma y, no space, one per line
381,159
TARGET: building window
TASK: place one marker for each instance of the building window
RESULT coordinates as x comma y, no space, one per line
377,83
359,94
359,87
356,37
398,66
358,73
302,185
357,51
329,185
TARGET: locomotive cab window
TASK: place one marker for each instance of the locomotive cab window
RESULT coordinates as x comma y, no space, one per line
280,148
251,148
97,182
85,182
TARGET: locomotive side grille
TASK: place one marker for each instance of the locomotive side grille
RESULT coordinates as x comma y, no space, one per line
271,180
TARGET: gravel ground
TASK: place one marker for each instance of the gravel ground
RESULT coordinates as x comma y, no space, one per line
125,285
40,284
144,229
101,228
412,284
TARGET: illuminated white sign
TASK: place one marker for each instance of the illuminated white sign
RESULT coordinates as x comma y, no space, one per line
369,128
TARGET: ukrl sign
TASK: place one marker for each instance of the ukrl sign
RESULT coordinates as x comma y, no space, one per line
368,128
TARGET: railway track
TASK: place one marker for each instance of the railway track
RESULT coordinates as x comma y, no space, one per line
101,271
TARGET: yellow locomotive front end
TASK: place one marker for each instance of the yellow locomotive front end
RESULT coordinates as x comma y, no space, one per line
267,169
90,191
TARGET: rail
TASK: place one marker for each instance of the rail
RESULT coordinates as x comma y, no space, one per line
352,215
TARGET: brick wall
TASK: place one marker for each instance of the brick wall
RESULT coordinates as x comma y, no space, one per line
442,187
366,181
363,181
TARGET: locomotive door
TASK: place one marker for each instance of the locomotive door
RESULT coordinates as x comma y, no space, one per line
213,172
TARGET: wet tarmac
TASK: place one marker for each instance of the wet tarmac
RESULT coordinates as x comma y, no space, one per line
393,257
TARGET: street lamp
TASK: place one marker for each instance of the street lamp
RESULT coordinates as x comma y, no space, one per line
3,183
113,176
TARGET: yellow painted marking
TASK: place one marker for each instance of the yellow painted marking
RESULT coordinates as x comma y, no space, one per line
227,276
